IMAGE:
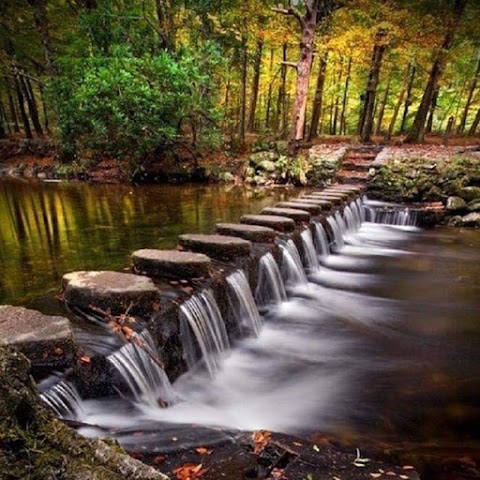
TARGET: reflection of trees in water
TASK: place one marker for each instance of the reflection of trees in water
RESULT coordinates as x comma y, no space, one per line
49,229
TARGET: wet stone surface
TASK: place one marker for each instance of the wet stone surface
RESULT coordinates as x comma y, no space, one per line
45,340
217,246
171,264
312,208
296,215
110,290
280,223
253,233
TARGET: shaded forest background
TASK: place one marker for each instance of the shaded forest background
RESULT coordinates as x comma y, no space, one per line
132,79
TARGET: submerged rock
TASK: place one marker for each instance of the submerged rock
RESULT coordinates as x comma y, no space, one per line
45,340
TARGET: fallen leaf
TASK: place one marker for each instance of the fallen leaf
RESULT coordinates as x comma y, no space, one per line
261,439
408,467
136,455
404,477
315,447
375,475
174,439
85,359
297,444
203,451
189,471
158,459
391,474
277,473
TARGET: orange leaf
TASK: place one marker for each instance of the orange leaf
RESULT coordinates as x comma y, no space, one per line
203,451
85,359
159,459
189,471
261,439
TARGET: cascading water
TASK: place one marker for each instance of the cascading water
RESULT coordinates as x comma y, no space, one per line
336,231
388,213
321,240
242,303
292,268
203,331
309,252
349,219
270,287
64,399
139,365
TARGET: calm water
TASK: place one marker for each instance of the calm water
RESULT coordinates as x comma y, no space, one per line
48,229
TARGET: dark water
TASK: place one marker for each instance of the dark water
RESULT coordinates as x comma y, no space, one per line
48,229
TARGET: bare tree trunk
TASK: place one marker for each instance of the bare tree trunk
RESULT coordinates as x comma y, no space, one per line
396,111
366,123
476,122
268,107
13,113
429,127
255,85
383,104
318,101
337,99
408,100
3,123
280,121
45,111
418,129
343,116
23,113
243,92
32,105
165,24
471,91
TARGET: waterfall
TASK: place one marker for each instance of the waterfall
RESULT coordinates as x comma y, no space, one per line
349,219
341,223
361,210
242,302
309,252
292,267
270,287
337,232
139,365
201,316
321,240
64,399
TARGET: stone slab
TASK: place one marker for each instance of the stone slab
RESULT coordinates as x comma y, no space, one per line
325,204
296,215
332,199
44,339
171,263
216,246
282,224
311,208
114,290
253,233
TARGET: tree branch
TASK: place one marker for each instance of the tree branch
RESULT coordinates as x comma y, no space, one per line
290,64
290,11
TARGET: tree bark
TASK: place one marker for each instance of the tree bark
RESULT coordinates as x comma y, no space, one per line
268,108
337,99
383,104
255,85
343,116
23,113
318,101
243,92
165,24
474,126
280,120
417,131
429,127
13,113
408,100
471,91
366,122
32,105
3,123
396,111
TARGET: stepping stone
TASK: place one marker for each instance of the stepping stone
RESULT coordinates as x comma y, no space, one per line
311,208
253,233
171,263
325,204
325,193
110,290
338,191
353,188
297,215
217,246
282,224
329,198
46,340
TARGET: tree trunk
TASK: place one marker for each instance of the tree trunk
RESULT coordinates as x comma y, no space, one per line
13,113
3,123
32,105
417,131
343,116
318,101
243,92
337,99
268,108
165,24
383,104
45,111
255,85
396,111
366,122
429,127
471,91
23,113
408,100
476,122
280,120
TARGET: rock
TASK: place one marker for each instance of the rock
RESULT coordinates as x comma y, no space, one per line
226,177
45,340
471,220
281,146
171,263
110,290
474,206
282,224
216,246
312,208
470,193
294,214
455,204
253,233
325,204
267,166
455,221
334,200
256,158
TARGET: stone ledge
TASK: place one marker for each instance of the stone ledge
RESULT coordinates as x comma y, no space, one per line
253,233
217,246
110,290
311,208
171,264
282,224
296,215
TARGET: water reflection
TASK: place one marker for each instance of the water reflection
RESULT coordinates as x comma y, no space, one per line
47,229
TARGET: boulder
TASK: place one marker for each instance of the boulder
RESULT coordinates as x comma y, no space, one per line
282,224
470,193
116,291
46,340
471,220
474,206
256,158
253,233
171,264
267,166
216,246
455,204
